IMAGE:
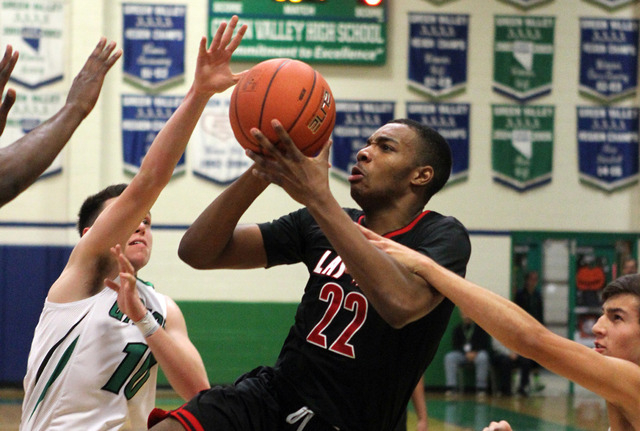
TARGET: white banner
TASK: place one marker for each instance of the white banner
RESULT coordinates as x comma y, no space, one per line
35,29
217,156
29,111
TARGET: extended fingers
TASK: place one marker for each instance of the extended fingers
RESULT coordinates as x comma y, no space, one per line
7,64
101,55
123,263
228,31
217,38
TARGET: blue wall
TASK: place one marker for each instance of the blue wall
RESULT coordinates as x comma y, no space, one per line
26,273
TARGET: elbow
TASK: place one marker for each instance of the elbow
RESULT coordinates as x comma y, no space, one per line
534,343
194,389
187,254
400,315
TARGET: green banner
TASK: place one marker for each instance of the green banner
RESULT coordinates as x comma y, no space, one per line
526,4
522,145
523,57
344,32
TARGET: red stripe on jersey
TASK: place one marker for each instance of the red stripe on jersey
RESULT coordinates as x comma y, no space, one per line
186,419
407,228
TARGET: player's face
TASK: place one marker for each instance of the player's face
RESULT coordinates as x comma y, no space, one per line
384,166
138,248
617,331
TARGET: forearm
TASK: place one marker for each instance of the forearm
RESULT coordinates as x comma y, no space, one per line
397,295
22,162
511,325
170,143
419,403
211,233
181,364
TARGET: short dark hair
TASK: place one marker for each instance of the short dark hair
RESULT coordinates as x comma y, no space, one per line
627,284
434,151
93,205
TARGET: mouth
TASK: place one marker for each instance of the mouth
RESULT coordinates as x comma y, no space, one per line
598,347
356,174
138,242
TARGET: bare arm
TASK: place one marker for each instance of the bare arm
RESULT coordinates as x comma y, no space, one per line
522,333
22,162
306,180
116,223
420,406
215,240
7,64
171,346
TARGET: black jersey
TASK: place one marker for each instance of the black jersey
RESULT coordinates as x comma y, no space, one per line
340,357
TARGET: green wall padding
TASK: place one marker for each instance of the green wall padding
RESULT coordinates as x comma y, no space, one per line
235,337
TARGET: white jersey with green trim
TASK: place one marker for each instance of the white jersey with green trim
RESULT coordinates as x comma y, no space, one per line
89,367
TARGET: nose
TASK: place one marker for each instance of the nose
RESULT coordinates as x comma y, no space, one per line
363,155
141,227
598,328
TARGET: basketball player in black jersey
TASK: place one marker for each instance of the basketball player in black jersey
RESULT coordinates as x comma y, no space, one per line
366,328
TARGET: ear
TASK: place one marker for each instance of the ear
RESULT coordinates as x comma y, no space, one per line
422,176
85,230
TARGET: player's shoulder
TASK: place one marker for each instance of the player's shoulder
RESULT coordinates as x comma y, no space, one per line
434,219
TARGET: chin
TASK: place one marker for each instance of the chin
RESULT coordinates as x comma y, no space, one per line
138,262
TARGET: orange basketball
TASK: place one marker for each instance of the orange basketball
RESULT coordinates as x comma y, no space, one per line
290,91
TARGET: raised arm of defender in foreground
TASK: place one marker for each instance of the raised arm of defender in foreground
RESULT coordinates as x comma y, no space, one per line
22,162
116,223
616,380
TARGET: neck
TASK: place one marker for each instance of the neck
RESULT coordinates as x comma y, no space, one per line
388,220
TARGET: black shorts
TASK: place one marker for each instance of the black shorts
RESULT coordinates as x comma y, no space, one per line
255,402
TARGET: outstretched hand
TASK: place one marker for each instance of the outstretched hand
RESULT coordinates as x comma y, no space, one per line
498,426
6,68
129,300
213,73
408,257
87,84
304,178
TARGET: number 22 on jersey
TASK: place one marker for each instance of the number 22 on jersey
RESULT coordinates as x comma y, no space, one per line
334,296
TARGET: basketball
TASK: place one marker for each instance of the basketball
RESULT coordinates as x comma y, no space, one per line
290,91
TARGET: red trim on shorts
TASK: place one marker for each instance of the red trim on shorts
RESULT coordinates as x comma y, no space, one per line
186,419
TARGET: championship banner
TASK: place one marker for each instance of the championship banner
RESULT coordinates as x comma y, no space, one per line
608,146
522,145
35,28
153,44
526,4
217,156
142,119
355,122
438,45
608,58
451,120
30,110
334,32
523,56
612,4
